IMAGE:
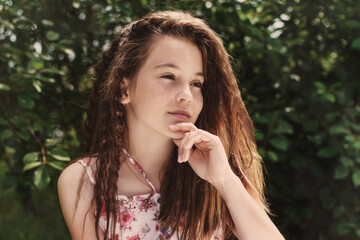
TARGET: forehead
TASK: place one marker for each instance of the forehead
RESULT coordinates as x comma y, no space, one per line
177,51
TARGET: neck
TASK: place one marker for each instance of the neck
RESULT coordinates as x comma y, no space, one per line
151,151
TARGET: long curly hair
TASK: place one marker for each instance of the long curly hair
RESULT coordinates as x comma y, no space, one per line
186,201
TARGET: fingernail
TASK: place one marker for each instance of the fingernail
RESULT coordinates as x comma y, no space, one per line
179,158
172,126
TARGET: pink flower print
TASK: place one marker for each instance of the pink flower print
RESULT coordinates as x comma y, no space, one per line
86,161
116,237
157,228
103,210
139,198
145,205
126,217
123,208
139,168
136,237
145,229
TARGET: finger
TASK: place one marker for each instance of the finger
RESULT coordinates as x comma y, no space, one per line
188,146
183,152
184,127
190,139
207,141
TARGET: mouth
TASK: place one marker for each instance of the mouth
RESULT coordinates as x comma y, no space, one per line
181,114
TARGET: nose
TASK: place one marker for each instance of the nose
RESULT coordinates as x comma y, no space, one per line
184,94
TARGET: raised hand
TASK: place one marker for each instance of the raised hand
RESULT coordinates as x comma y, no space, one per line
208,159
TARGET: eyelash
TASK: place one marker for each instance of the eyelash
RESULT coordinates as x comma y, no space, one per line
197,84
169,76
172,77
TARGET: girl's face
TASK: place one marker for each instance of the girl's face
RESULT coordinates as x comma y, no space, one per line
167,88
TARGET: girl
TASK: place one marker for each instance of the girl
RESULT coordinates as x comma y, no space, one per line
166,119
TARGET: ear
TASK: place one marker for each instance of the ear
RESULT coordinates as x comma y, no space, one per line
125,95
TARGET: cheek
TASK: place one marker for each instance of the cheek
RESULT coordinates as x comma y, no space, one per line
199,102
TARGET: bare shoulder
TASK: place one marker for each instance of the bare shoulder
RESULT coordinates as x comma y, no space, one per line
71,175
75,196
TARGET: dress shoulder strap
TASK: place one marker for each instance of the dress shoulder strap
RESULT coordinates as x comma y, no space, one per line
138,167
85,163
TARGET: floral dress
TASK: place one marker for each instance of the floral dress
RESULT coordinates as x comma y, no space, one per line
138,215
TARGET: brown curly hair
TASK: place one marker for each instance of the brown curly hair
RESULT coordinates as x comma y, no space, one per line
185,202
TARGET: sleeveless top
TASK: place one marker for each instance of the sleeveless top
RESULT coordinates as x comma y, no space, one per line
137,218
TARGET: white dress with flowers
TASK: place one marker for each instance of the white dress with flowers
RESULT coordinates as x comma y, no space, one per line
138,215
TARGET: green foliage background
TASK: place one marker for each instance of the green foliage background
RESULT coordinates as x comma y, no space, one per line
298,64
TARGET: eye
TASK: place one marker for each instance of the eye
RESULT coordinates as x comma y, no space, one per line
197,84
169,76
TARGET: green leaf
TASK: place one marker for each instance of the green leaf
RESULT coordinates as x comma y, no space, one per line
37,85
320,86
41,177
37,126
31,166
338,211
59,155
297,161
310,125
30,157
352,24
2,121
357,232
347,162
327,198
355,44
53,71
341,172
57,165
37,64
343,227
350,138
47,22
25,101
254,31
338,129
272,156
279,143
47,79
332,115
329,97
259,136
4,87
7,133
52,36
356,178
284,127
354,125
262,119
19,122
23,134
326,152
70,53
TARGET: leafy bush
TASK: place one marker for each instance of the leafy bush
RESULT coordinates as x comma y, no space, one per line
298,65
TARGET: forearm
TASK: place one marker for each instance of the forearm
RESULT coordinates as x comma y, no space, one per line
251,221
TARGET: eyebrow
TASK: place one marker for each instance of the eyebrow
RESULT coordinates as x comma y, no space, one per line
201,74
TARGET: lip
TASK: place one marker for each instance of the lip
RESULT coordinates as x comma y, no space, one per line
182,114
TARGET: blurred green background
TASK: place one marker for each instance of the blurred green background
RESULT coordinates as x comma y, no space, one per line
298,65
